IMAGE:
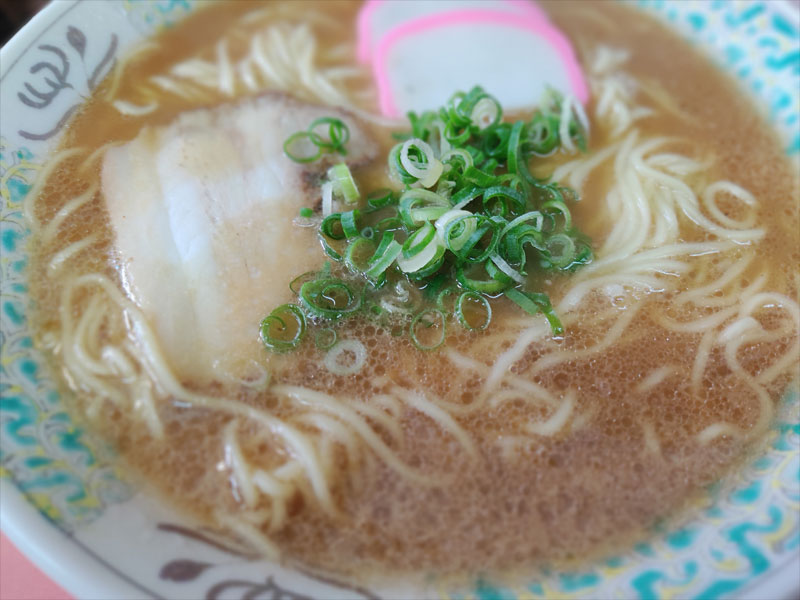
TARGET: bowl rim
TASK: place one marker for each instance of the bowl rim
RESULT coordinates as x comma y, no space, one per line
39,24
85,574
45,545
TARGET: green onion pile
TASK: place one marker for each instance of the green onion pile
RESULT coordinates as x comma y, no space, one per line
471,223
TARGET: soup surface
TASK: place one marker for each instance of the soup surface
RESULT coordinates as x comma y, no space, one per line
503,447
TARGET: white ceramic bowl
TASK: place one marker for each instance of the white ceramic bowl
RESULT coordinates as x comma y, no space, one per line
66,507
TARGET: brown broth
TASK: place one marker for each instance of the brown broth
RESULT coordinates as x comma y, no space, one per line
589,489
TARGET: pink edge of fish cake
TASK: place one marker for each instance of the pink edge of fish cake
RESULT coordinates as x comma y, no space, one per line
366,24
530,22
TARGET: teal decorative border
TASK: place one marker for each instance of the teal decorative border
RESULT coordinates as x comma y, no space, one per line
745,530
760,47
155,15
68,476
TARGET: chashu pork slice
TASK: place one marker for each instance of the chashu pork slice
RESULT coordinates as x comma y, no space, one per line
202,213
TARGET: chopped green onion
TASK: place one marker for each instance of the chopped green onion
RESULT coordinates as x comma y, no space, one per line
465,196
507,269
325,338
471,223
332,227
472,251
329,298
388,250
338,134
486,112
300,280
560,249
422,249
330,250
343,184
419,240
307,146
349,221
543,134
440,299
418,160
456,227
533,215
495,141
419,206
280,334
431,267
396,167
327,199
511,201
389,223
495,273
428,329
513,154
558,206
474,175
301,152
335,359
358,254
455,136
533,304
380,198
489,286
457,154
473,297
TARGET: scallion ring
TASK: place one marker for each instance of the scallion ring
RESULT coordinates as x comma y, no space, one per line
413,201
474,297
507,269
388,250
419,160
441,299
358,254
343,183
349,222
420,327
456,227
337,357
421,250
471,251
338,134
511,201
325,338
295,284
560,249
329,298
332,227
485,286
558,206
380,198
533,304
486,112
300,152
278,333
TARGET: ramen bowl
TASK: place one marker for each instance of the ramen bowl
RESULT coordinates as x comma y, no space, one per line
69,508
